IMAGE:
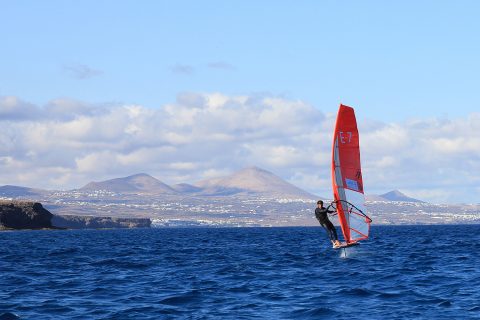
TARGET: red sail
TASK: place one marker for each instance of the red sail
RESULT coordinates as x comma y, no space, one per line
347,177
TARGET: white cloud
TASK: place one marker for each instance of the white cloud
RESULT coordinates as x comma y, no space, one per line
14,109
97,162
67,143
183,166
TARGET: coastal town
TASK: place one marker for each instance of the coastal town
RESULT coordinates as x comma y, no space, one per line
218,205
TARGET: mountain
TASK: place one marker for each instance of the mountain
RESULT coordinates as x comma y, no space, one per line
138,183
186,188
253,180
16,191
374,197
394,195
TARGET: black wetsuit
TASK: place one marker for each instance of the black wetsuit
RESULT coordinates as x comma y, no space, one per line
322,217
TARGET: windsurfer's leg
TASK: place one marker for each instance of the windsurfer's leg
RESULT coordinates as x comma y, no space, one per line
336,242
327,229
332,233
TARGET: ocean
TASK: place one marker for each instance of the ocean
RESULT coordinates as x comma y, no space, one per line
402,272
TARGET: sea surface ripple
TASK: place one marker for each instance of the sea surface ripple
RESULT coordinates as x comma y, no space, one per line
407,272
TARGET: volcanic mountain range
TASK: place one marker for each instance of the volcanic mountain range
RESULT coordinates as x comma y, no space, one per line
251,181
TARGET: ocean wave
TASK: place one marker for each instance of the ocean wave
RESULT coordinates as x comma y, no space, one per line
231,273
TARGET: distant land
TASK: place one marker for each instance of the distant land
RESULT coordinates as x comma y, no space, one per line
138,183
394,195
249,181
248,197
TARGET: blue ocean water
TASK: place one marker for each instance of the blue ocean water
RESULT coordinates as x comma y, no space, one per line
407,272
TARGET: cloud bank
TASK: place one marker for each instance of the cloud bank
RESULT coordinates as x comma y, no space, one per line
66,144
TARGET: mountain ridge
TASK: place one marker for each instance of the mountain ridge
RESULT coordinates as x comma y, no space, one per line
251,181
14,191
394,195
140,182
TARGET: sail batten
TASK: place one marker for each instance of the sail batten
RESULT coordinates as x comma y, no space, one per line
347,177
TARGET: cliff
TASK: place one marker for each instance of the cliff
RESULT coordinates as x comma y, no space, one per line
32,215
90,222
24,215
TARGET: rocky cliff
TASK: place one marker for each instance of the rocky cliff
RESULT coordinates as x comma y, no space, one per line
24,215
89,222
32,215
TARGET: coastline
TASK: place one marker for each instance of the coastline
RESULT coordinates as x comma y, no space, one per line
31,215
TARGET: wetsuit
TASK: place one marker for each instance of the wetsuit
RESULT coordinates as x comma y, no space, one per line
322,217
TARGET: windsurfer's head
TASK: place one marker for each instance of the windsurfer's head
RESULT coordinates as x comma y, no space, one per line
320,203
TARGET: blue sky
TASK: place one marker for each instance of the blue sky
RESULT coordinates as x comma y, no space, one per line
89,74
393,60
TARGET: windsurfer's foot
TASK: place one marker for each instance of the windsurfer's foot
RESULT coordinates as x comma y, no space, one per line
337,243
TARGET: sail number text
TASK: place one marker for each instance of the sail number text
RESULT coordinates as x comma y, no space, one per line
345,137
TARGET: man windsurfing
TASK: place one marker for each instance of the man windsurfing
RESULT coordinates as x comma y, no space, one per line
321,213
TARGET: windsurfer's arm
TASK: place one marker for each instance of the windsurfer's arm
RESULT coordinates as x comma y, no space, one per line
334,210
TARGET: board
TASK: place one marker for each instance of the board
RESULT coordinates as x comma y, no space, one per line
346,245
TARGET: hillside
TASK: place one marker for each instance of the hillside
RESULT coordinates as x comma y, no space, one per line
253,180
394,195
138,183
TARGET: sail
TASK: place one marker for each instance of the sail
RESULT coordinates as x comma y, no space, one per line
347,177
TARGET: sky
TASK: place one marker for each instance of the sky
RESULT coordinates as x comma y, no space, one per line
187,90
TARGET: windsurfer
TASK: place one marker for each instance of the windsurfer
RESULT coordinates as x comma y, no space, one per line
321,213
